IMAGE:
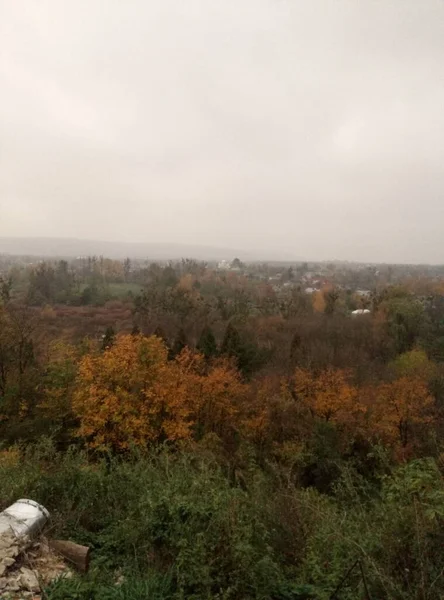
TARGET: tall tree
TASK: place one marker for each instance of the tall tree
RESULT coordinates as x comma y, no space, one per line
108,338
295,348
207,344
179,344
244,351
5,289
400,408
331,298
127,268
130,395
18,366
328,395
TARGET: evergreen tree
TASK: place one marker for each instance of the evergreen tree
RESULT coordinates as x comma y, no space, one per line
207,344
179,344
159,332
5,289
108,338
249,357
231,344
331,299
295,348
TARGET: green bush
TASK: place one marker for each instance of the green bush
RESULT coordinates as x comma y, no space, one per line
176,526
172,512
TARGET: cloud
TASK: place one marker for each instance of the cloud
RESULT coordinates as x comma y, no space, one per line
279,126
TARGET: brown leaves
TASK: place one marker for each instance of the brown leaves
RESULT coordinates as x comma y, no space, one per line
398,408
328,395
118,397
131,395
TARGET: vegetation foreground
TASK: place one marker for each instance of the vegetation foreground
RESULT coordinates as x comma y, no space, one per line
221,436
173,524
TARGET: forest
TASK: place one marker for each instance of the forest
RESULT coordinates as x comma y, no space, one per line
229,431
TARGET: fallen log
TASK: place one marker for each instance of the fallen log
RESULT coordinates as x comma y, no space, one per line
74,553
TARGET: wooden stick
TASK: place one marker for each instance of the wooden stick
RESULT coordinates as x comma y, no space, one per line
74,553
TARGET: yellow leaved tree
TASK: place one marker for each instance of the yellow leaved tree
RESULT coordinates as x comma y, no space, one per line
129,395
328,395
400,408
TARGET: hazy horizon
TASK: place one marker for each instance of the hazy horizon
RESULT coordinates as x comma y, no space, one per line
273,127
50,247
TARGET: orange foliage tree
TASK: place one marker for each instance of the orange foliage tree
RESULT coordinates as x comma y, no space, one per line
220,398
131,395
327,395
399,408
318,299
272,418
213,394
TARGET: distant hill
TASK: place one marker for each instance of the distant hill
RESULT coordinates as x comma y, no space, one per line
69,248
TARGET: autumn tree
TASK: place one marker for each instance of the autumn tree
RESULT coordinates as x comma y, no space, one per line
130,394
217,394
328,395
414,363
271,418
400,408
318,301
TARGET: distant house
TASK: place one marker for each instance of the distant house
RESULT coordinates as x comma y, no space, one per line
361,311
223,265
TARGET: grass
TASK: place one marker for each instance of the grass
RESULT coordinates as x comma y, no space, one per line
134,586
122,290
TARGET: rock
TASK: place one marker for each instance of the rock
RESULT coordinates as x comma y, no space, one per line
2,569
10,552
8,562
3,583
28,580
13,585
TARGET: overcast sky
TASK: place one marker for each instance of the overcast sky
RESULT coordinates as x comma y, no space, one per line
305,128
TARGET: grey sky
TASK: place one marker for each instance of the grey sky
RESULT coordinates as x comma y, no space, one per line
285,127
